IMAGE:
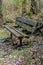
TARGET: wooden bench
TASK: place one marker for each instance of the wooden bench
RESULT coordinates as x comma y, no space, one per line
26,24
16,33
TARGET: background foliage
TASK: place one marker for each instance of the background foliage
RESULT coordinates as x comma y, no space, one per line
13,8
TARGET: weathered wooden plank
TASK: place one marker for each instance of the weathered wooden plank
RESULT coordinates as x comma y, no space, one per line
13,31
28,28
20,32
27,21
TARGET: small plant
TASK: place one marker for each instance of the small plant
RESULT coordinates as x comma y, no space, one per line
8,17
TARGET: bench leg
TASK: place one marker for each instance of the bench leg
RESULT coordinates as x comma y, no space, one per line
11,36
20,41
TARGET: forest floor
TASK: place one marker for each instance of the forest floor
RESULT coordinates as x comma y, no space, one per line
27,55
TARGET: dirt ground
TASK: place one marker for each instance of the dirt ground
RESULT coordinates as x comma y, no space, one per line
27,55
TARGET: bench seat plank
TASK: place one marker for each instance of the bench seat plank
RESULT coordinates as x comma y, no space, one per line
13,31
20,32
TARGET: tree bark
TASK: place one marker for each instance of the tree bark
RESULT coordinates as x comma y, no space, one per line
0,8
23,7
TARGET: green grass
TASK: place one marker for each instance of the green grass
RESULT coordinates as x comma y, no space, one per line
4,34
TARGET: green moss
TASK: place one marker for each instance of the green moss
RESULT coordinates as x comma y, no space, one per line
4,33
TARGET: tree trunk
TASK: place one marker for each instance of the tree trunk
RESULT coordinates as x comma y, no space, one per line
0,8
23,7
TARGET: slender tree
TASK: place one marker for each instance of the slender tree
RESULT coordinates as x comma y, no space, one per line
0,8
23,7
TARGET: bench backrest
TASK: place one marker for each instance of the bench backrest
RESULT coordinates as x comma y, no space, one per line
27,24
26,21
